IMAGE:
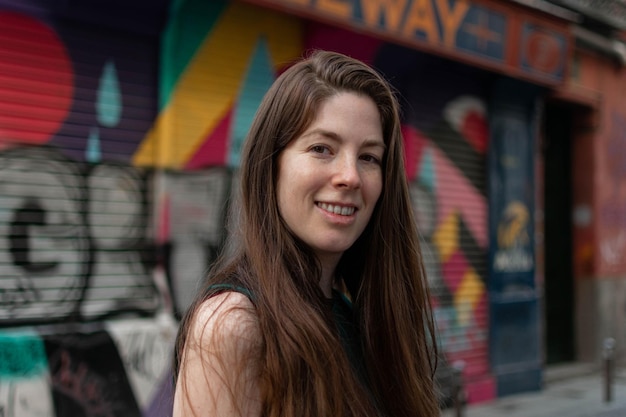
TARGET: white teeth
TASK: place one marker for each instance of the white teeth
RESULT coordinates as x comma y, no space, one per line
344,211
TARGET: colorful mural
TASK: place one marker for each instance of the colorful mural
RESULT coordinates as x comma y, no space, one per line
210,100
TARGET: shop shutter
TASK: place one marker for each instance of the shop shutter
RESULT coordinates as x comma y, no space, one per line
77,96
220,58
446,136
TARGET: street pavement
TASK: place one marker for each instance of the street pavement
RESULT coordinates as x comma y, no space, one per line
580,394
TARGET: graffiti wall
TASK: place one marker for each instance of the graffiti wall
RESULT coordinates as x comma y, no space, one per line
80,328
74,214
75,243
116,368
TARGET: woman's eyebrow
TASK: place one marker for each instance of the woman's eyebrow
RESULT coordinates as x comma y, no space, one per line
323,132
337,138
375,143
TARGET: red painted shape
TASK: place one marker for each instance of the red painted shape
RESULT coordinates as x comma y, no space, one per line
212,152
414,143
475,131
356,45
454,269
36,80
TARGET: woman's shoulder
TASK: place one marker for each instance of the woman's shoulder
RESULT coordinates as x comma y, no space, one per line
219,367
228,318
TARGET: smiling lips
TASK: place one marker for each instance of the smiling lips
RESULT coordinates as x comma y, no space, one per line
337,209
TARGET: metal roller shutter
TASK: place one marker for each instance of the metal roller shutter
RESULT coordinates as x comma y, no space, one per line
77,95
446,135
220,58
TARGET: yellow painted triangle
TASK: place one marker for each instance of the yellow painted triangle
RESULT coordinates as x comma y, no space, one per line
446,236
207,89
467,296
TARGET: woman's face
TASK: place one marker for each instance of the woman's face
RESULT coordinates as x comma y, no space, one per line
330,177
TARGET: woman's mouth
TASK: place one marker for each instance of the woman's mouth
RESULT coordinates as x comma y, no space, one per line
337,209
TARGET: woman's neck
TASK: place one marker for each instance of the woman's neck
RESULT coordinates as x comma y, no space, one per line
329,264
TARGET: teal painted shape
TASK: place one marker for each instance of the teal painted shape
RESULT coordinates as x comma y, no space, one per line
190,22
259,78
93,153
109,97
427,175
22,355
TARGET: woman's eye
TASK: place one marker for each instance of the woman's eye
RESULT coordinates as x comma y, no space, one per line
320,149
371,158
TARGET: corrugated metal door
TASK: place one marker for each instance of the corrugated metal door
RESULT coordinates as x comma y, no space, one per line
445,128
76,99
220,58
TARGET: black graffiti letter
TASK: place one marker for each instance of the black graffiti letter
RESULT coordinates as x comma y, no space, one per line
30,214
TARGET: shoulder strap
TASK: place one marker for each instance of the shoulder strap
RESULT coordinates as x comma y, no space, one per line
342,296
231,287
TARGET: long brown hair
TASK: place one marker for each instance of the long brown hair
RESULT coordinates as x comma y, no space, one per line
304,370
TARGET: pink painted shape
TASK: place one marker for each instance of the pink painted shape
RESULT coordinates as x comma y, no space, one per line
475,359
163,231
456,193
481,390
212,152
321,36
414,144
481,313
453,270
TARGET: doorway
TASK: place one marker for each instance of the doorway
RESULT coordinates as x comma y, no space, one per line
558,267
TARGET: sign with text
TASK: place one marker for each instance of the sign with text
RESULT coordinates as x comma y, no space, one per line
507,39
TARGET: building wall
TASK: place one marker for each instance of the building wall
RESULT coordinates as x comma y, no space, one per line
599,203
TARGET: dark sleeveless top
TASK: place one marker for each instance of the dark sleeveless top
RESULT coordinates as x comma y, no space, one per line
343,316
349,334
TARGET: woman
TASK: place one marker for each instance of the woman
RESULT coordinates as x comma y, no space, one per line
325,210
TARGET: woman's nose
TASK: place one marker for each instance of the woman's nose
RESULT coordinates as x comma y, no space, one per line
347,173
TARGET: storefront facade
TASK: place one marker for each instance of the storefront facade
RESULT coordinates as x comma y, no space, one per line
120,135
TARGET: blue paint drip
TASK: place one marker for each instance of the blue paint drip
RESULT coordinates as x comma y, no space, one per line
427,170
109,97
93,153
259,78
22,355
